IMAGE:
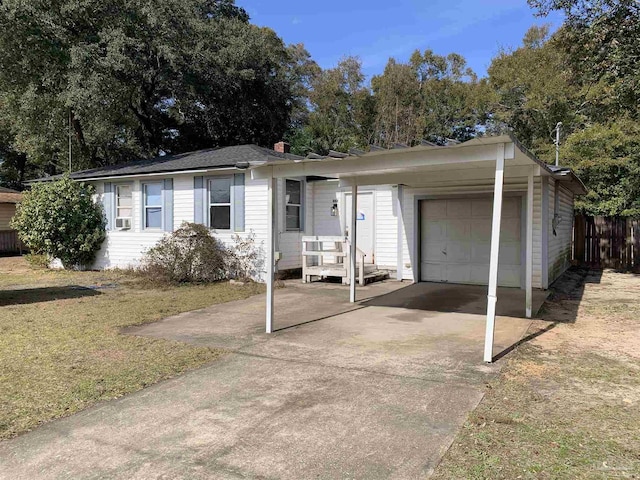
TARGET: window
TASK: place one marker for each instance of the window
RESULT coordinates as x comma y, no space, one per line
220,203
153,205
124,206
294,204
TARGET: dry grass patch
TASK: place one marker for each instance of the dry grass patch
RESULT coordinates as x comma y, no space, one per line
567,404
60,346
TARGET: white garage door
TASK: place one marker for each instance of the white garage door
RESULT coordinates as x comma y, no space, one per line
456,241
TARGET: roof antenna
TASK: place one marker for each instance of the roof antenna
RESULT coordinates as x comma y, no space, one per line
557,142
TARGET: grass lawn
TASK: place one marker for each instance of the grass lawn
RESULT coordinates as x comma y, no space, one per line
567,404
60,349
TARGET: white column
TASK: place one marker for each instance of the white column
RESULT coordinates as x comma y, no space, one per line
495,252
529,268
400,233
271,247
353,248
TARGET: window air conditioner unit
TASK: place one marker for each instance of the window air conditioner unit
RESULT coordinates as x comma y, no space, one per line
123,223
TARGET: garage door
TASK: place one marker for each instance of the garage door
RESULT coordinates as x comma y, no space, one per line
456,241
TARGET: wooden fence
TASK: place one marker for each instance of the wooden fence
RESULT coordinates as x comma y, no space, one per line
607,242
10,243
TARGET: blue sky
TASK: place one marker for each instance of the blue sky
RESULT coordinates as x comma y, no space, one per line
375,30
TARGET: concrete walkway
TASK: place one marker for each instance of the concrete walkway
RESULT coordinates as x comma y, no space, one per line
372,390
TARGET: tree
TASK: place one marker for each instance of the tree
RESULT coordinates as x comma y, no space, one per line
601,40
561,77
431,97
61,220
136,78
340,115
607,159
532,92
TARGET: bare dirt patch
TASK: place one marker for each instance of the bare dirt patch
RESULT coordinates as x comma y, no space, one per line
567,404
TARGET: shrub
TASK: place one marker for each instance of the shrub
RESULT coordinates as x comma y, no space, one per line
190,254
61,220
245,261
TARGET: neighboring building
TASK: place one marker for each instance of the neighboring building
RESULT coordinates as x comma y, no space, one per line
442,233
9,242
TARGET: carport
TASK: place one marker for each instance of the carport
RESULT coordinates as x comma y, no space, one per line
489,169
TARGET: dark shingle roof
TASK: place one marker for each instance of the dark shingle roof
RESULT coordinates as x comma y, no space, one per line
225,157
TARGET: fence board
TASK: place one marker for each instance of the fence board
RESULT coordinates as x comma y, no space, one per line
9,242
607,242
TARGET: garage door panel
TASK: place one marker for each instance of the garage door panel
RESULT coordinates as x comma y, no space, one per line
433,272
511,208
456,241
435,230
458,230
509,276
480,230
479,274
509,254
480,252
434,252
458,273
510,230
482,208
458,252
458,208
435,209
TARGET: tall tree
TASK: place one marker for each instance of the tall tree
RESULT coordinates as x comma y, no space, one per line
532,92
431,97
136,78
579,76
607,158
601,39
341,112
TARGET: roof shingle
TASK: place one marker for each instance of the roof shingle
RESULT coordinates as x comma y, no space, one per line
225,157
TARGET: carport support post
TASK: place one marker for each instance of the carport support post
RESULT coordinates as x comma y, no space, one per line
495,252
352,246
271,247
529,270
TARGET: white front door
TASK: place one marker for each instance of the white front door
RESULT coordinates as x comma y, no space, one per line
455,241
365,235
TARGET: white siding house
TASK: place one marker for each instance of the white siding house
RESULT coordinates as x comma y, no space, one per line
416,227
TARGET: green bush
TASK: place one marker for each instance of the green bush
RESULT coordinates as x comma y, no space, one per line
190,254
60,219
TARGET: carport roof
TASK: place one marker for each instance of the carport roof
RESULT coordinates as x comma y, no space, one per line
386,166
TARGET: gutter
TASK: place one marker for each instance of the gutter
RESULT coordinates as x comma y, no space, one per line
136,175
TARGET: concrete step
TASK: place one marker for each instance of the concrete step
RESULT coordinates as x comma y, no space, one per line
368,268
375,276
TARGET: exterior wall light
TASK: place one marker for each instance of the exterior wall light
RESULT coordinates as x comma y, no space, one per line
334,208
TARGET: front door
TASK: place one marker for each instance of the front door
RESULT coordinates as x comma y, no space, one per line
365,224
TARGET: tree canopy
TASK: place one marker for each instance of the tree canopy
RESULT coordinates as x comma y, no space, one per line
136,78
139,78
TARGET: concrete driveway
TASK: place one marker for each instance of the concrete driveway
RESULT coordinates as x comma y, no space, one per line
372,390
